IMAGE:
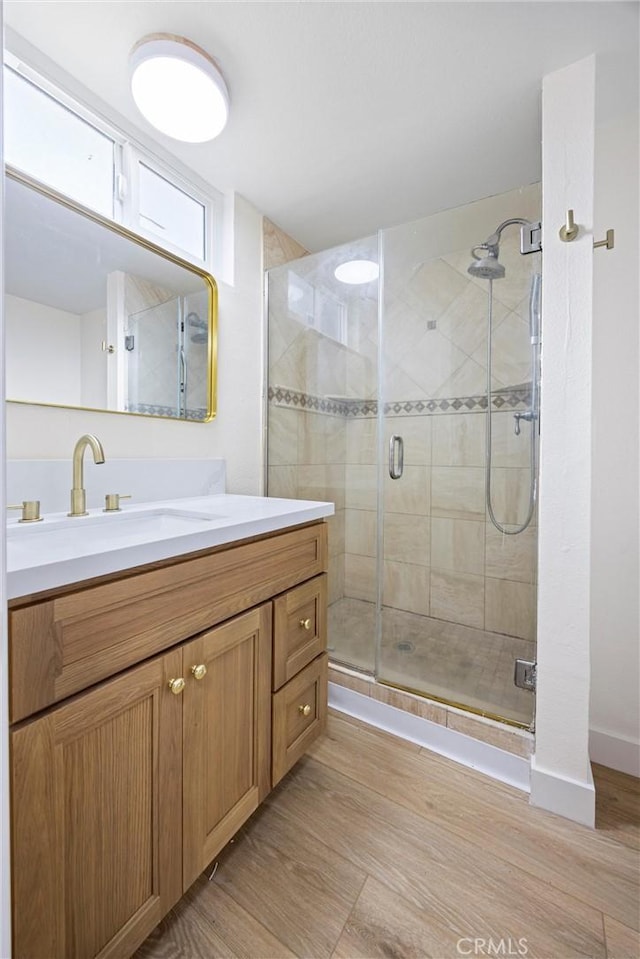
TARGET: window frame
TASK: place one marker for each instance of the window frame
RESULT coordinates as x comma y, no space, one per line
127,155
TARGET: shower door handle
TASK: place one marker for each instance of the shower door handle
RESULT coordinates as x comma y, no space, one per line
396,456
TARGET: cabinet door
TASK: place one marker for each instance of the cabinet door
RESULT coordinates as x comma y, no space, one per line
226,733
96,805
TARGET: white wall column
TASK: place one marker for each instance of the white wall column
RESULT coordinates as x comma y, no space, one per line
561,778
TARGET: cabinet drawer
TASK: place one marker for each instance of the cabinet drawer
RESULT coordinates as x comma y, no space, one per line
300,629
299,715
68,643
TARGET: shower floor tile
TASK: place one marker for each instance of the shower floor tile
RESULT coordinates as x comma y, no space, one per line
460,664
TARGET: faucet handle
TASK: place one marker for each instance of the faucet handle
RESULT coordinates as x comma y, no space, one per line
30,511
112,502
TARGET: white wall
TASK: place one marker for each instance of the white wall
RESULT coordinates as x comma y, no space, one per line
561,775
35,432
93,361
43,352
615,576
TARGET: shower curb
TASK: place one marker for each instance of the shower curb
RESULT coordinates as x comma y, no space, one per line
490,760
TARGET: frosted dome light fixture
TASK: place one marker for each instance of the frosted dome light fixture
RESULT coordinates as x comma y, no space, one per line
178,88
357,271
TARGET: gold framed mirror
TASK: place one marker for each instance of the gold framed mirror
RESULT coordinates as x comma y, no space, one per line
98,318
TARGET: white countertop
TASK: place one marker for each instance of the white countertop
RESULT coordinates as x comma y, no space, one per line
59,551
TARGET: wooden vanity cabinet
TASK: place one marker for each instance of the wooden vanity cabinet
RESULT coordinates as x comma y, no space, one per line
124,792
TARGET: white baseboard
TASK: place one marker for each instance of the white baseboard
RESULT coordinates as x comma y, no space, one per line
616,752
494,762
566,797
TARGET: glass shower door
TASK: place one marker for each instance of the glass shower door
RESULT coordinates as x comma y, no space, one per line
457,597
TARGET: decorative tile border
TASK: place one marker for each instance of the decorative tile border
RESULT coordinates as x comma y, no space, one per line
508,399
153,409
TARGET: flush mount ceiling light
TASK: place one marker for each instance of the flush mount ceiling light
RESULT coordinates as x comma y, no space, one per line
357,271
178,88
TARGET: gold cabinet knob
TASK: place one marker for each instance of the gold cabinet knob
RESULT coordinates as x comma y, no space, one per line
305,624
199,671
305,710
176,685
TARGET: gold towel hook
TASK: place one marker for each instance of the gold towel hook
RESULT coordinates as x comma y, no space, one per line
570,230
607,242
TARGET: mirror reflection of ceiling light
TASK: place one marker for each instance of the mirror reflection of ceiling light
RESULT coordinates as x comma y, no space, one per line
357,271
178,88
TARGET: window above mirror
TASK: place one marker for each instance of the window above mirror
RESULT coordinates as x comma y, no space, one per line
69,148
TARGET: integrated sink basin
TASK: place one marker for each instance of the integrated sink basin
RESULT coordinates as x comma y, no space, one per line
103,531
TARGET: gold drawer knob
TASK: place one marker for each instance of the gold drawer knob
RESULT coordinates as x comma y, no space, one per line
176,685
305,710
199,671
305,624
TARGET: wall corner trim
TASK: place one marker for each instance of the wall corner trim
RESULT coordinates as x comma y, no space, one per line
564,796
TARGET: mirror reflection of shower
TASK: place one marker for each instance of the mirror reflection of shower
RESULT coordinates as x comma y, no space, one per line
486,265
167,366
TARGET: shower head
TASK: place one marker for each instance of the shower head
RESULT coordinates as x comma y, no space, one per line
485,256
486,267
201,328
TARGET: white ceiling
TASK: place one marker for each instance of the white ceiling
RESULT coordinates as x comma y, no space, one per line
347,117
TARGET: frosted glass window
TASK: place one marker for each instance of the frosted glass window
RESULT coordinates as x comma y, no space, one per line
170,213
55,146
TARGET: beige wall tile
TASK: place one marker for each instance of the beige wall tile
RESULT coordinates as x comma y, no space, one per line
312,439
458,440
361,488
335,579
336,434
278,246
434,286
406,538
465,320
406,587
510,608
361,444
511,557
322,483
282,481
283,436
416,435
410,493
458,492
511,352
457,545
470,379
431,360
360,577
510,495
511,740
507,449
336,532
457,597
348,681
361,531
415,705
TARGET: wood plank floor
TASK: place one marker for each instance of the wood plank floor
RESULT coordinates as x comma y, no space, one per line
374,847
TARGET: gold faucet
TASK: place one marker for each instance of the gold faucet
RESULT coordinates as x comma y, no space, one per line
78,493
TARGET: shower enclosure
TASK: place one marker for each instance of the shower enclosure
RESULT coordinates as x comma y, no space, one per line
166,357
378,400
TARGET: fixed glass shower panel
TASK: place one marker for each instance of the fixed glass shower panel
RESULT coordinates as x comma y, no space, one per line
457,595
322,403
167,357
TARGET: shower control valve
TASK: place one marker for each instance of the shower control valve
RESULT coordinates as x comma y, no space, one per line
528,416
